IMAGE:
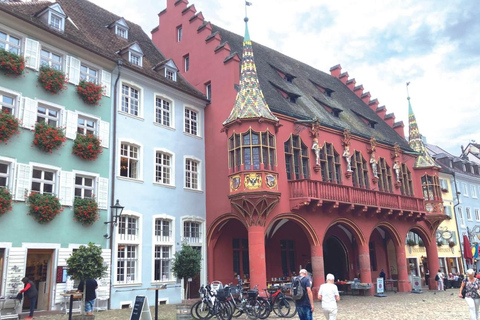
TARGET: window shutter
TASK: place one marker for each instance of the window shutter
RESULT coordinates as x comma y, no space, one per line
104,133
104,282
73,70
22,188
66,188
29,113
102,190
32,53
63,255
16,264
72,120
106,83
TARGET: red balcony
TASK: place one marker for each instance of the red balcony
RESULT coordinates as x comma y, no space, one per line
307,192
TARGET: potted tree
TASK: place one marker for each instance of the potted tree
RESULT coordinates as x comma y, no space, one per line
86,263
186,264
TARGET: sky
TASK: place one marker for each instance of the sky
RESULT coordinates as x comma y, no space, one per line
383,44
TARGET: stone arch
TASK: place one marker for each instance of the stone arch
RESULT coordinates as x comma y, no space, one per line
305,225
219,222
423,233
353,228
393,232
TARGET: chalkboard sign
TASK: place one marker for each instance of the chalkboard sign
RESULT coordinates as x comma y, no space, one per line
140,310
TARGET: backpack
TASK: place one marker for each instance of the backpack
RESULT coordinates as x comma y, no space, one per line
437,277
297,288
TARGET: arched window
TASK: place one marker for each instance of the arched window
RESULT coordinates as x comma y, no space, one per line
250,149
431,188
330,164
384,176
360,171
296,158
406,181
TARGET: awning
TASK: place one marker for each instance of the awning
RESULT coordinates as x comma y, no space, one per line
467,250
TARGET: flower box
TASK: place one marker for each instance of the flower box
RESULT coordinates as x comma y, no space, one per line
48,137
52,80
87,146
11,63
90,92
43,207
5,201
85,211
8,126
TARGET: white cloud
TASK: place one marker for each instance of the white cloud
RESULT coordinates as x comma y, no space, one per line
383,44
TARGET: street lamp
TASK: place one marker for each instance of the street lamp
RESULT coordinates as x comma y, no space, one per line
116,212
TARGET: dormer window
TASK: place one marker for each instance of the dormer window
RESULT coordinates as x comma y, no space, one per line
170,74
56,22
133,53
168,69
54,17
135,59
121,32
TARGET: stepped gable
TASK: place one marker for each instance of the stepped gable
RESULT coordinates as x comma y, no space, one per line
89,30
309,98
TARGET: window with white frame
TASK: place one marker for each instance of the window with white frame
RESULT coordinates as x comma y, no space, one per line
48,114
135,59
179,33
163,230
208,91
163,248
127,263
460,216
129,161
84,186
170,74
128,228
192,174
163,261
163,111
86,125
88,74
51,59
10,43
43,180
465,189
4,174
130,99
448,210
186,62
56,22
121,31
7,102
191,231
443,184
191,121
477,214
163,168
474,191
469,214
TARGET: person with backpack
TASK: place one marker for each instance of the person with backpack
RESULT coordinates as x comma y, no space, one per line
439,279
303,296
329,296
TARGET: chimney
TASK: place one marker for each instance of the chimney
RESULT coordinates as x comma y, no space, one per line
398,127
358,90
366,97
335,71
373,104
381,111
344,77
390,119
351,83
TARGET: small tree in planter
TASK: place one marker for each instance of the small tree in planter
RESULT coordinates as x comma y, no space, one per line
85,210
11,63
186,264
48,137
8,126
87,146
86,263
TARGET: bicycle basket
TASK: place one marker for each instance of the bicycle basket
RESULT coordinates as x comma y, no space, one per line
221,295
216,285
235,291
252,293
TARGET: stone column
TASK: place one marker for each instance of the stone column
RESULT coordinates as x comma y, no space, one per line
404,284
256,255
318,269
365,272
433,263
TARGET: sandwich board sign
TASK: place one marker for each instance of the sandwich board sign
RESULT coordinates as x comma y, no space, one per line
141,310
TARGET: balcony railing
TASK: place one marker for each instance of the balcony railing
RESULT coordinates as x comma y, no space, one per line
319,190
163,236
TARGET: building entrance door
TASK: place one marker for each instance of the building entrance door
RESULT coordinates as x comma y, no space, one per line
39,270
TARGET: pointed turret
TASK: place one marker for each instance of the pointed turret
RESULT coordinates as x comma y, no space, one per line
249,103
424,160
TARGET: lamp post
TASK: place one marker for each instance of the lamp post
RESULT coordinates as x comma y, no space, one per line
116,212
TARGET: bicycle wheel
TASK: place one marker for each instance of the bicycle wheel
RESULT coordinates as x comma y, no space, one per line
202,310
263,308
287,307
250,308
222,310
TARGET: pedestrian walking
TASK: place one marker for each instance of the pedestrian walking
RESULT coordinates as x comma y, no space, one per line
439,278
31,292
472,298
305,304
329,296
90,294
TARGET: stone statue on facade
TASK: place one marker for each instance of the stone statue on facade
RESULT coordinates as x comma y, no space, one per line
348,158
316,148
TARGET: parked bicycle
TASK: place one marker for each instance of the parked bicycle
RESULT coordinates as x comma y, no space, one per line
281,304
250,304
212,304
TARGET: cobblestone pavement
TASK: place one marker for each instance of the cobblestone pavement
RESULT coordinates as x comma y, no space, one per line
431,305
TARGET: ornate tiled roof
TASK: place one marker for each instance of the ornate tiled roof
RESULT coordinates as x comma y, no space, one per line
250,102
424,160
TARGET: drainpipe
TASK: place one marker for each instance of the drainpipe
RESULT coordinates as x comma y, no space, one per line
112,174
456,221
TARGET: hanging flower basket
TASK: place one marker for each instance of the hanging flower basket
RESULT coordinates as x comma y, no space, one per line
52,80
43,207
87,146
5,201
8,126
11,63
90,92
86,211
48,137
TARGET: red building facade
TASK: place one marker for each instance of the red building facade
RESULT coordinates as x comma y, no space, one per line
303,169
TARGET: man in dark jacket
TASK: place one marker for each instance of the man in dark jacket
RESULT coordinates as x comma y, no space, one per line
31,292
305,305
90,295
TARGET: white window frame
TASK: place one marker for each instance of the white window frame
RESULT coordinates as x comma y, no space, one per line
16,97
473,190
121,31
10,174
179,33
172,167
9,45
468,213
163,242
477,214
84,174
51,19
465,189
198,121
460,215
61,111
193,219
87,76
448,210
129,242
139,161
171,102
135,58
443,184
140,99
45,167
186,63
51,62
170,74
208,90
199,173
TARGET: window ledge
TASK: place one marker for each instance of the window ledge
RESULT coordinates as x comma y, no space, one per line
126,285
193,190
163,126
170,186
129,179
192,135
130,115
158,283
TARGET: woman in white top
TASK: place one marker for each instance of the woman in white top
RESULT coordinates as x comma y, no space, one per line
329,296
